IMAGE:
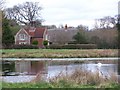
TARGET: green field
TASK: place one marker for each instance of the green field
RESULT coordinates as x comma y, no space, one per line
58,53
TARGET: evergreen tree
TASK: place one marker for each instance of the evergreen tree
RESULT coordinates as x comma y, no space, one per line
7,36
80,38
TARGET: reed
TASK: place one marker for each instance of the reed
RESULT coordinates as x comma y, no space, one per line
83,77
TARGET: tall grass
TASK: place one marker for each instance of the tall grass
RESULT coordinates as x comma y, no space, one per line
77,79
80,77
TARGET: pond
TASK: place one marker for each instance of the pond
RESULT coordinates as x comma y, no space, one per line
55,70
105,69
52,70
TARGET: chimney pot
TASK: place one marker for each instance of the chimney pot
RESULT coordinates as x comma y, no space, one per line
66,26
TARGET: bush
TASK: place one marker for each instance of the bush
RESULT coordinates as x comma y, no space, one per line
35,42
73,46
45,42
24,47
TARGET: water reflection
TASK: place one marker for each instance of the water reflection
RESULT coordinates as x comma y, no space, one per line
105,69
26,70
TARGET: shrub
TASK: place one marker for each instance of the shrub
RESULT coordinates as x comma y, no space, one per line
45,42
24,47
35,42
73,46
80,38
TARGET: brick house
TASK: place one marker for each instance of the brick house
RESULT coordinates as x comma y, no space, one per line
28,35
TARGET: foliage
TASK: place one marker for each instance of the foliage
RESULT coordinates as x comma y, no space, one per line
45,42
24,47
15,29
104,38
14,26
82,27
7,38
95,39
79,78
35,42
79,38
8,67
73,46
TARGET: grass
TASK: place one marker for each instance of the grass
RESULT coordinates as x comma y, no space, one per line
78,79
61,84
58,53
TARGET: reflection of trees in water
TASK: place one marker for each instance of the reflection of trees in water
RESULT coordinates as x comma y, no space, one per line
8,66
118,67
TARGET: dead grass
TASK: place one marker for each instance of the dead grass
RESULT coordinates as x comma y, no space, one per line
58,53
83,77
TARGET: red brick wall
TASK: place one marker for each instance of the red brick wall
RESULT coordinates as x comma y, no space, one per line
40,42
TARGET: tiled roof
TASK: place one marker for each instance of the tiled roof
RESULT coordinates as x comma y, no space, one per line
61,33
36,32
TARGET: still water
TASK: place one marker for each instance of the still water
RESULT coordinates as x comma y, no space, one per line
105,69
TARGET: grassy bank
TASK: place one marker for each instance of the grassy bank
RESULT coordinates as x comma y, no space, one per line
61,84
58,53
77,79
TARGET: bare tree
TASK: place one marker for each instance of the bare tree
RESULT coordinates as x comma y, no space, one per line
106,22
24,13
82,27
2,4
96,25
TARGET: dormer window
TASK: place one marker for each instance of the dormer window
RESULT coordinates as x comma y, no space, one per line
22,36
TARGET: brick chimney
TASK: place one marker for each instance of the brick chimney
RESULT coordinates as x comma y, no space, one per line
66,26
32,24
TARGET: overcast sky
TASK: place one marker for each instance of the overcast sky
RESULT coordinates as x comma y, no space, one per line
73,12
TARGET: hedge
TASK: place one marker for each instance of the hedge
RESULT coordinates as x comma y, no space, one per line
24,47
73,46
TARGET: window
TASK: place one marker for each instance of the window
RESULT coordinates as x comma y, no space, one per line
22,36
22,42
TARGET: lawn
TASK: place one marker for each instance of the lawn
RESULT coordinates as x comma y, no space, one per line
58,53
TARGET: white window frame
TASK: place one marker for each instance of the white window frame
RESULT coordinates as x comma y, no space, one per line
46,37
22,43
22,36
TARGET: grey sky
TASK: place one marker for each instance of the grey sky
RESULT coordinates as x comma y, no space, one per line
73,12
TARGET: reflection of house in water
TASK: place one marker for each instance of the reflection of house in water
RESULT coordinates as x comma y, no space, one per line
25,67
31,67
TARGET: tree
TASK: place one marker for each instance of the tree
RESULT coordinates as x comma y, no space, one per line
25,13
95,39
79,38
82,27
7,36
96,26
105,22
1,4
